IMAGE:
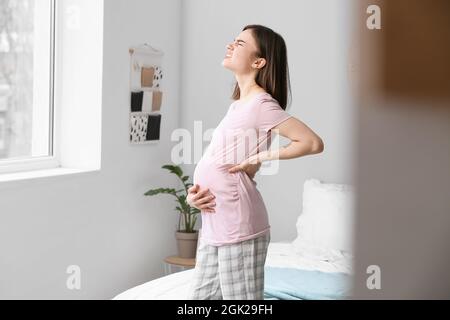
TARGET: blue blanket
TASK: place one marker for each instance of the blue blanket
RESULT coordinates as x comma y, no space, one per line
298,284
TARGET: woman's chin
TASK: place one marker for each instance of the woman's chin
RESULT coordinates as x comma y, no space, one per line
226,65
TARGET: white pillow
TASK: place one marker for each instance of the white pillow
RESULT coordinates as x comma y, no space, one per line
327,216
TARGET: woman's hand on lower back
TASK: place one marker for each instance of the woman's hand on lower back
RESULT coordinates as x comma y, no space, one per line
247,166
201,199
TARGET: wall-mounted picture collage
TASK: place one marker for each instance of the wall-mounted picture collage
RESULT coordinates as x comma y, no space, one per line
146,95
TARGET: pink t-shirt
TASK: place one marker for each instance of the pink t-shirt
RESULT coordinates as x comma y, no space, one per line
240,213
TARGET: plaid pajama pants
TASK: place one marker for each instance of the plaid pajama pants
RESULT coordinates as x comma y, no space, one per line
230,272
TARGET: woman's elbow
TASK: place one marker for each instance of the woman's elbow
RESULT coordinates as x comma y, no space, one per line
317,146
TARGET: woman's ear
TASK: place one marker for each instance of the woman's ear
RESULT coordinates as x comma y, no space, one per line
259,63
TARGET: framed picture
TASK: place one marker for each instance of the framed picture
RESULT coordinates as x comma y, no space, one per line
146,94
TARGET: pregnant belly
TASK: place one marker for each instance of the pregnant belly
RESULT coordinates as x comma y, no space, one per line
216,177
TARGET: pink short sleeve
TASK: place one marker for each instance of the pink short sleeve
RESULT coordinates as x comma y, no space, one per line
270,114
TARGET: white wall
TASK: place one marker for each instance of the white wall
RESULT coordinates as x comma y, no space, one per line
100,221
317,38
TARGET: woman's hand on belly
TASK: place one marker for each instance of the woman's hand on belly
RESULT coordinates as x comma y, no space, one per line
201,199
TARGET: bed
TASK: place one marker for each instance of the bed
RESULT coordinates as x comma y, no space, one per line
317,265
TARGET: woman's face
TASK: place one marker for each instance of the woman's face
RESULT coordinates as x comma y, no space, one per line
241,53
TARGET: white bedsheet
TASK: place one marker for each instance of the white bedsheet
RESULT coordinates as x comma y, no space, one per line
280,254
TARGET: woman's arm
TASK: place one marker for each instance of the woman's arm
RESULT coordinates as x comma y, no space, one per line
304,141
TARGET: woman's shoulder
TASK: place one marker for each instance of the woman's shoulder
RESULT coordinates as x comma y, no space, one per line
266,100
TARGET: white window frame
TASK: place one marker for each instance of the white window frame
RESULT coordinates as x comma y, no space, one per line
43,94
77,118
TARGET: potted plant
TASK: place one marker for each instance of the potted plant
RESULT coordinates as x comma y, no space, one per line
186,235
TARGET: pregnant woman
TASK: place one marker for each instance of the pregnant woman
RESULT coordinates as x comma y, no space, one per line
235,232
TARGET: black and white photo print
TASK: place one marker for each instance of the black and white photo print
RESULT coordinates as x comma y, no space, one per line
138,125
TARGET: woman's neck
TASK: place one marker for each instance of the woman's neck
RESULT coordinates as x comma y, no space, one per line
247,87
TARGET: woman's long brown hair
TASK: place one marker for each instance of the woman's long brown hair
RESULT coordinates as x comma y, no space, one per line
274,76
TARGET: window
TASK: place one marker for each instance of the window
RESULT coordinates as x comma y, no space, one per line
27,42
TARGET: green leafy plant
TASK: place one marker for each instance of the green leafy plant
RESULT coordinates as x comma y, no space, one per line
188,214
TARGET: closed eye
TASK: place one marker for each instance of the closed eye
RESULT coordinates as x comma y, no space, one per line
239,42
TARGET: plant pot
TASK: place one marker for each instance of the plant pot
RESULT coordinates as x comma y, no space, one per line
187,244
